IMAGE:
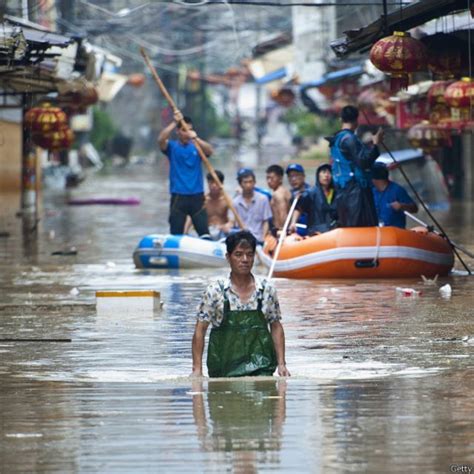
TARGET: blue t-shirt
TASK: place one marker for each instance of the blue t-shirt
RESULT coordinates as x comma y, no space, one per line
393,192
185,168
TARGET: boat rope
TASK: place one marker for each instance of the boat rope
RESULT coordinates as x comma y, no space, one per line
420,200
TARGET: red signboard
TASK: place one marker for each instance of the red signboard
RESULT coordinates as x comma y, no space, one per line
412,112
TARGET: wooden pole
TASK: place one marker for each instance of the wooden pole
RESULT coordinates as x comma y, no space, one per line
184,125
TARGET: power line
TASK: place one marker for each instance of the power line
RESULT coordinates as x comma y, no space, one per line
286,4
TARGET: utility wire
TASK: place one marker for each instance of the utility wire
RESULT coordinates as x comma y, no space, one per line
285,4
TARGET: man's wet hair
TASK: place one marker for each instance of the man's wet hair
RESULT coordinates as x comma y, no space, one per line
241,237
349,113
245,173
219,174
187,120
277,169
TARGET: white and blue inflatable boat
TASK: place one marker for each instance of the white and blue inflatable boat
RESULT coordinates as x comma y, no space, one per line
178,251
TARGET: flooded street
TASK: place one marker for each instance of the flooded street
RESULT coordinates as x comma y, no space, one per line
380,382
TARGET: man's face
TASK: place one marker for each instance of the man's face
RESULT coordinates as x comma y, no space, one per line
274,180
296,179
324,177
247,184
241,259
183,136
214,188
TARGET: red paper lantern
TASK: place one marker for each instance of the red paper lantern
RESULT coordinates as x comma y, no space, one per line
428,136
56,140
328,91
398,55
460,97
45,118
436,92
439,109
445,56
136,80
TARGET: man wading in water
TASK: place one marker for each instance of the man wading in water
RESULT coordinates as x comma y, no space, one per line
240,308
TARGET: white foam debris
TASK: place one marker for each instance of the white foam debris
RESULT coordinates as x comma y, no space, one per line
323,299
74,292
446,290
110,265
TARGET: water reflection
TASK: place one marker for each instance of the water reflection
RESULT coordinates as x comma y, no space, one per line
242,421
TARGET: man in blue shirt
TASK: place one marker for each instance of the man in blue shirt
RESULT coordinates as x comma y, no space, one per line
186,178
391,200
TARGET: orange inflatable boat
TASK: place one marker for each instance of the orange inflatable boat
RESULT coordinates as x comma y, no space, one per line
362,252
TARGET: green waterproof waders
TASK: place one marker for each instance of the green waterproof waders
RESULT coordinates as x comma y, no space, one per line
241,345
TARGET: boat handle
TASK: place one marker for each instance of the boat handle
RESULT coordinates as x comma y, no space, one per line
367,263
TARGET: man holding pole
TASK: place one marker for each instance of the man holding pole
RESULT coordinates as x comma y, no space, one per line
186,178
352,161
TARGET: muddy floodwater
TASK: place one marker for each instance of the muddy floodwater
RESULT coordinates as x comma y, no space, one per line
380,382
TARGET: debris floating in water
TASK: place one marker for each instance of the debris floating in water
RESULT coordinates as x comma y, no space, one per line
468,340
71,251
74,292
113,302
428,281
408,292
446,291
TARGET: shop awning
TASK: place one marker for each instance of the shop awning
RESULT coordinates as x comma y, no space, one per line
409,17
400,156
272,76
335,76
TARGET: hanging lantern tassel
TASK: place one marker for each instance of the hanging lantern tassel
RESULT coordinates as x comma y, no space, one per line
399,55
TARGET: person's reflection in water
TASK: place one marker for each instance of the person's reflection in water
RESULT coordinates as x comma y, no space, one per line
244,418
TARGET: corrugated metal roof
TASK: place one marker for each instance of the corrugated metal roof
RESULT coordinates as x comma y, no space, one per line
399,20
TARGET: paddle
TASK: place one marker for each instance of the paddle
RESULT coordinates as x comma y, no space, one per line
429,227
184,125
282,237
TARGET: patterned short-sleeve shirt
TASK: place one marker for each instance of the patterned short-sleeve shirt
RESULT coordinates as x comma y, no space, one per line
211,307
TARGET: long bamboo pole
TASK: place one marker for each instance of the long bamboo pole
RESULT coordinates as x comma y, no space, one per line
282,237
184,125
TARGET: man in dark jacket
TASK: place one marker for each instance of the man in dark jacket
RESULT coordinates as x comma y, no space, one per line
319,204
352,161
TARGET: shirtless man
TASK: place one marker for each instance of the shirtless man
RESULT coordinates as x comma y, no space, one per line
217,208
281,196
